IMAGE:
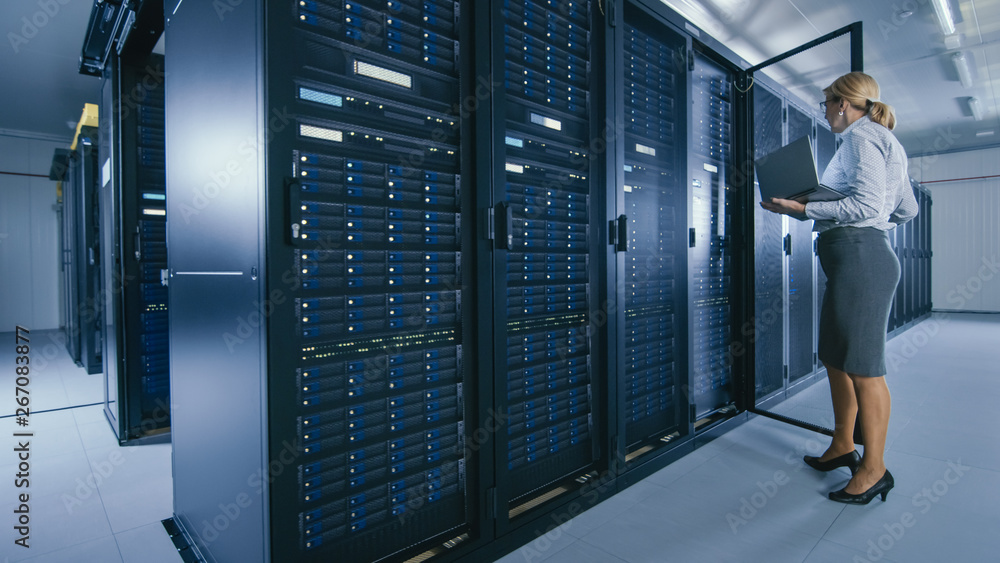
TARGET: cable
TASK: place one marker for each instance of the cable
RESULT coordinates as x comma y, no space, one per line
742,91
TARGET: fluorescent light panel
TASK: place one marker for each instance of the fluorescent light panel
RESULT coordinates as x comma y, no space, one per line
962,67
976,107
943,12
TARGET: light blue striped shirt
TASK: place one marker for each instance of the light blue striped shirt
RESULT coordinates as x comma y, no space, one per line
870,166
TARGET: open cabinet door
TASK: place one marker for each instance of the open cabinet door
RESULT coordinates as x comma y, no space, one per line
788,284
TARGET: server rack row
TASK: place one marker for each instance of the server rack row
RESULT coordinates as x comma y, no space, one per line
81,249
473,266
133,231
912,243
789,284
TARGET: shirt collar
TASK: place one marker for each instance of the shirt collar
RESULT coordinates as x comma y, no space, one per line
855,124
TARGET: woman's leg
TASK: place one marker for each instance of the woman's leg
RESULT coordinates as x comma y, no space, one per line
845,410
875,403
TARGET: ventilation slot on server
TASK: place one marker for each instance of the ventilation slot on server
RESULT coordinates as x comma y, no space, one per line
548,186
376,225
711,260
656,256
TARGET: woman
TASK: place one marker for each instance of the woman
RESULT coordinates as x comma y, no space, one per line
862,272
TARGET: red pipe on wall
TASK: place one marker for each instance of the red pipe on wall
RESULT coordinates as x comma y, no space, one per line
960,179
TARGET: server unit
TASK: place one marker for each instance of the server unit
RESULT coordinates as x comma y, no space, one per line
81,253
136,398
321,200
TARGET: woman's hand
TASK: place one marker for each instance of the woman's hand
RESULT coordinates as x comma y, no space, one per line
788,207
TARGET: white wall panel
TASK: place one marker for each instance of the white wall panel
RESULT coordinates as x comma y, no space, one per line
965,228
29,245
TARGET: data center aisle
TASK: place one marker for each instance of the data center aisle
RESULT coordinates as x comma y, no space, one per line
724,502
728,502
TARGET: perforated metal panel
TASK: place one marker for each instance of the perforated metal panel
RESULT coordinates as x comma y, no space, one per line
768,289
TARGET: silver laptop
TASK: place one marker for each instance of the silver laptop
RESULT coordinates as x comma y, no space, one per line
790,173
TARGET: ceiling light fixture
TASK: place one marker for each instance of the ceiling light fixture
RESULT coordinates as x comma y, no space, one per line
962,67
943,12
985,133
976,108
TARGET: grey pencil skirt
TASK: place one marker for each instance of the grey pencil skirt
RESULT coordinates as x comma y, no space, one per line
862,272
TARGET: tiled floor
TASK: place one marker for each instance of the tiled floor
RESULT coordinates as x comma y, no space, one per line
92,501
721,503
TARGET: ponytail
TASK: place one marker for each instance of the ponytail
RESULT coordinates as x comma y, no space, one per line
862,91
882,113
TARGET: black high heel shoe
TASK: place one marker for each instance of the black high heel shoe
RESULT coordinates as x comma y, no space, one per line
881,487
850,460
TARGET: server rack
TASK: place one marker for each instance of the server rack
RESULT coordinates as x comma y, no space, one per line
800,256
81,216
769,326
710,238
650,233
549,384
69,262
335,305
136,383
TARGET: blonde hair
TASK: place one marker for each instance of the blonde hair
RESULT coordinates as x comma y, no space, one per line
862,92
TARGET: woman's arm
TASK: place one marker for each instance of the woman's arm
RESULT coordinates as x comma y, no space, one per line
907,208
865,166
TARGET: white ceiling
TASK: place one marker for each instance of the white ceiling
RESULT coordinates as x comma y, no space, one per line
42,89
907,55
